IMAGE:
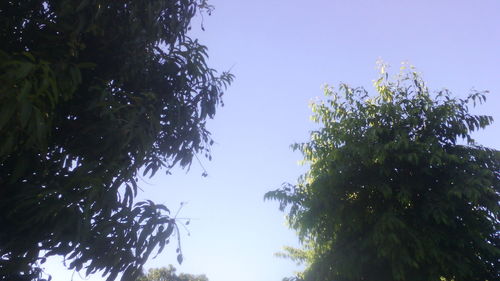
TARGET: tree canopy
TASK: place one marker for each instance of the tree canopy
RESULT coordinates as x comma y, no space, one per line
90,92
169,274
397,188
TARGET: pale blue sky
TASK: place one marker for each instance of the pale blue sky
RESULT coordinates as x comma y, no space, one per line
281,53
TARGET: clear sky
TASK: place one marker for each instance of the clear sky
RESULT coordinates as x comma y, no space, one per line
282,52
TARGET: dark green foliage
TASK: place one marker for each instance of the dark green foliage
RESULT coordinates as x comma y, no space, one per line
397,188
168,274
90,92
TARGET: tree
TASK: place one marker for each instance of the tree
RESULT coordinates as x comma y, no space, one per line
397,189
90,92
168,274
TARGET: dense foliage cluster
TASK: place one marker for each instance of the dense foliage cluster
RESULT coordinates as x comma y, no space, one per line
90,92
169,274
397,188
